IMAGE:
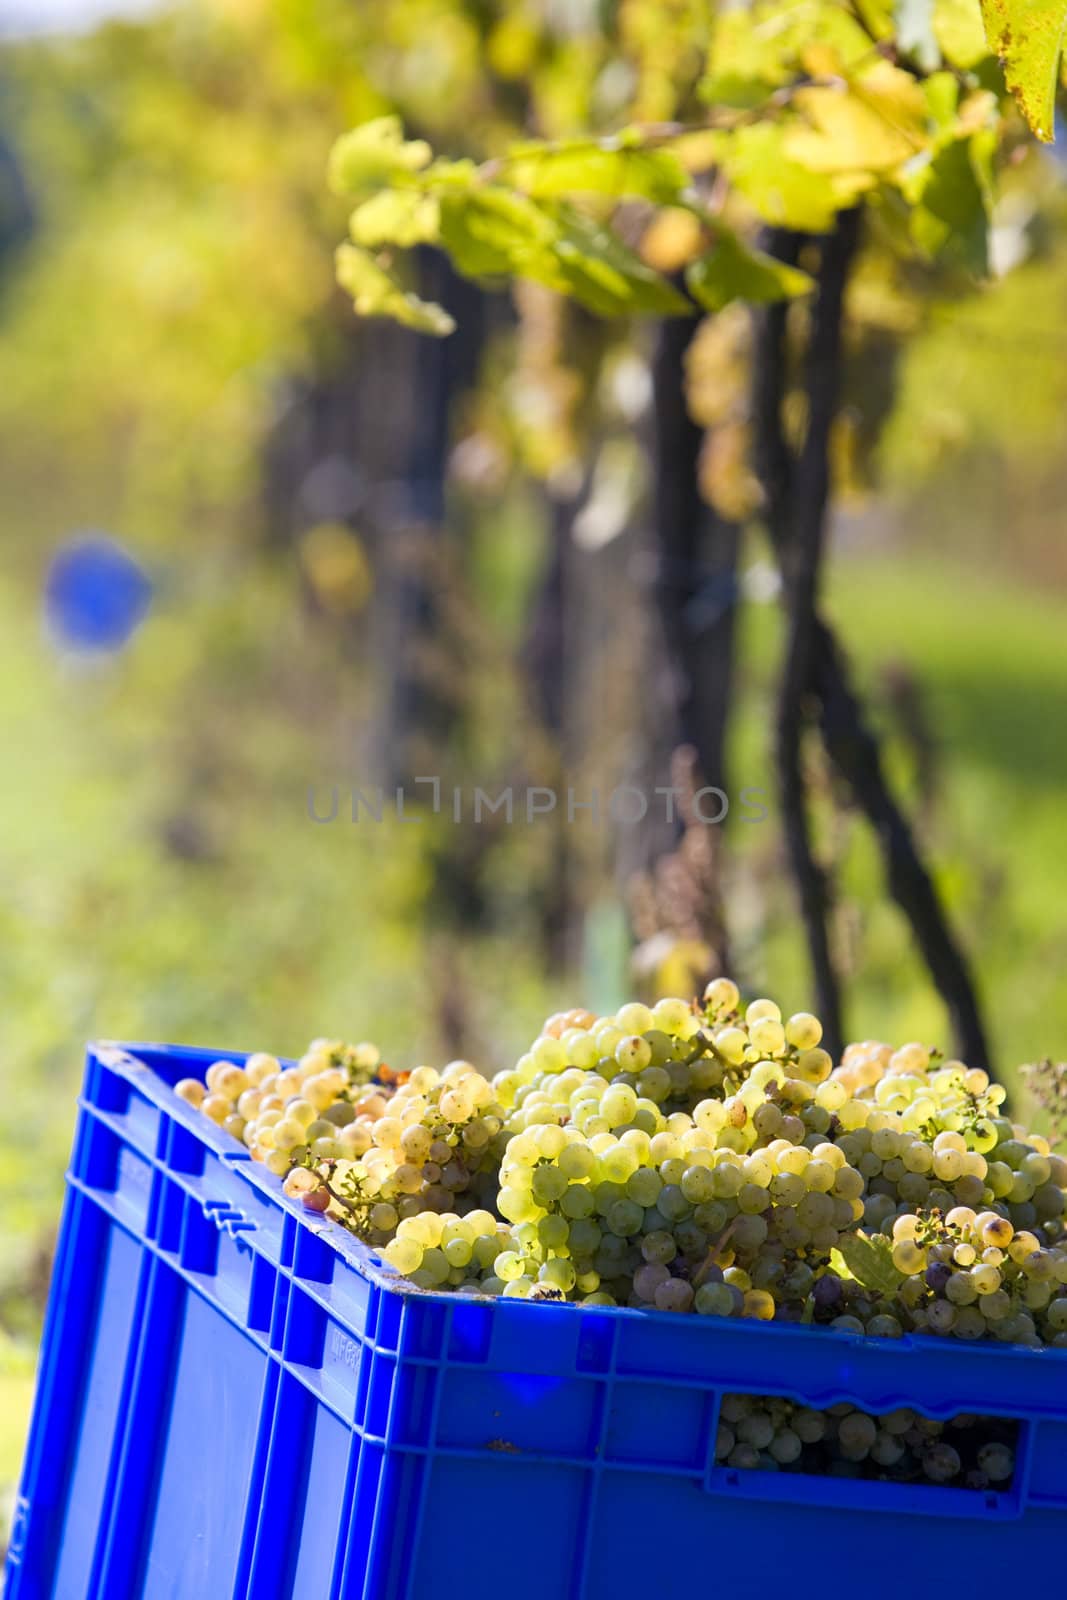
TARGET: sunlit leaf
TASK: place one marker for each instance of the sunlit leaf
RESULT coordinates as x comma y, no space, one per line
1028,36
606,276
374,154
960,32
785,192
401,217
494,232
586,166
489,232
756,48
733,271
375,293
875,123
869,1259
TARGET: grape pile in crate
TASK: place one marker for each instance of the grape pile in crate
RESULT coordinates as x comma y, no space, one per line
703,1157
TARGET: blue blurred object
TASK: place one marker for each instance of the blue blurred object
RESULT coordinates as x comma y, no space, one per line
96,595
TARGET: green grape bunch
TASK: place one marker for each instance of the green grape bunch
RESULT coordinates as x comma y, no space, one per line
704,1157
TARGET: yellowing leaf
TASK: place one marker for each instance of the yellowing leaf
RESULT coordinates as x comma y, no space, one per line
375,154
376,294
732,271
874,124
959,31
1028,36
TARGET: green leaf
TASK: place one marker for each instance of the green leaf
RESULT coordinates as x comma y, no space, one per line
951,215
494,232
586,166
915,32
401,217
491,232
869,1259
607,277
376,293
374,155
733,271
757,47
1028,36
942,91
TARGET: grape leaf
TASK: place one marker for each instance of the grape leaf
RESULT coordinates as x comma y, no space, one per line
733,271
869,1259
402,217
492,232
375,293
607,277
959,31
951,215
586,166
755,47
784,192
374,154
1028,36
874,125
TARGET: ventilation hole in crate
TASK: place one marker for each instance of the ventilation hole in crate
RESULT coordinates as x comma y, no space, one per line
765,1433
105,1088
185,1152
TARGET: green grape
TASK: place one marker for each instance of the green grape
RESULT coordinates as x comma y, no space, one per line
856,1435
997,1461
940,1462
404,1255
559,1273
648,1278
722,996
633,1054
674,1295
714,1300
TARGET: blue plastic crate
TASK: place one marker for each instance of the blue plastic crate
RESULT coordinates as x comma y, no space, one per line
235,1400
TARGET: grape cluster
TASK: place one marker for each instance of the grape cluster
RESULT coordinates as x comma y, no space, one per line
768,1434
974,1276
690,1157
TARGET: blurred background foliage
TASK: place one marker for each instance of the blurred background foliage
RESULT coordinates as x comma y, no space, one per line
370,562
